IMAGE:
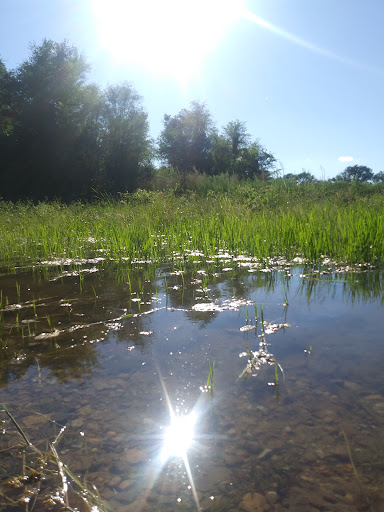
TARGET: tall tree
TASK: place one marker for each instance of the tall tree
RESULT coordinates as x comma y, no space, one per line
360,173
378,177
185,140
302,177
6,124
4,101
233,152
236,133
221,154
53,105
254,161
126,145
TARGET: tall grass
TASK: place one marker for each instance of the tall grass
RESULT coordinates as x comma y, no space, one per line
340,221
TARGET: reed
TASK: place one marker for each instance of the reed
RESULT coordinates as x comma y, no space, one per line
209,384
57,477
263,221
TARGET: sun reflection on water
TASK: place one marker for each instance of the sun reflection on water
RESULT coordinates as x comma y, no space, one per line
178,437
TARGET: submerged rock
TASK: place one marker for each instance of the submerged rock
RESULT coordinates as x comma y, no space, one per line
254,502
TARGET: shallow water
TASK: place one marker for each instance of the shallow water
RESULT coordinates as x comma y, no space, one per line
111,353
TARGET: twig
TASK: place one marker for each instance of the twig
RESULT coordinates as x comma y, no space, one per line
19,429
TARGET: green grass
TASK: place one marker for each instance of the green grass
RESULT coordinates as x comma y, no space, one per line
209,384
58,479
341,221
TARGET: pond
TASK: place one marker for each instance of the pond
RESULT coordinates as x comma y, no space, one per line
220,386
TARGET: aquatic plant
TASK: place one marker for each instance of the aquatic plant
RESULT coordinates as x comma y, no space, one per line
209,384
50,323
47,466
258,358
276,376
257,220
308,351
285,289
262,317
18,291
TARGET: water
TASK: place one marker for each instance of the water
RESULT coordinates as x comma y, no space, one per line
113,354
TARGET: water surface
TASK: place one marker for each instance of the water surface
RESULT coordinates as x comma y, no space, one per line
114,353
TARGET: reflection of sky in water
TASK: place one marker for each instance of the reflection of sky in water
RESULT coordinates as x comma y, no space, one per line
139,401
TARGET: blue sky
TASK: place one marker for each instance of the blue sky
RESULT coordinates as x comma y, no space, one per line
306,76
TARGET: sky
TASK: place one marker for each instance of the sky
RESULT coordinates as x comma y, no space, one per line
305,76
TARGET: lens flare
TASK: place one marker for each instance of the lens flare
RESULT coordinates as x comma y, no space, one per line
179,436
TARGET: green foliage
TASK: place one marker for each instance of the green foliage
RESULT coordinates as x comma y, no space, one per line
62,138
237,135
124,132
338,220
189,143
254,161
378,177
360,173
51,107
209,384
302,177
185,141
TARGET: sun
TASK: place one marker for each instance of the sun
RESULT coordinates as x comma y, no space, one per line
170,37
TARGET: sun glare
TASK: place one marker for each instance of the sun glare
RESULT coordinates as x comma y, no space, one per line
179,436
169,37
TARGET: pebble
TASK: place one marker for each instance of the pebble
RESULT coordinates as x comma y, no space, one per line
134,455
254,502
125,484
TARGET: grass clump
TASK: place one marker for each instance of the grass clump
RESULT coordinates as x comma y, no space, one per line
46,483
263,220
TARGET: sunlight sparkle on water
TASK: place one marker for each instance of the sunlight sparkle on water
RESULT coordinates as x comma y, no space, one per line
179,436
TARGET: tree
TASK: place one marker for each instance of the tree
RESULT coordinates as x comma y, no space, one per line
378,177
126,145
305,177
66,137
185,141
6,126
221,154
254,161
4,101
236,133
52,106
233,152
360,173
302,177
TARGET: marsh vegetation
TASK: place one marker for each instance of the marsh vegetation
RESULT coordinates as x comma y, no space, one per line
340,221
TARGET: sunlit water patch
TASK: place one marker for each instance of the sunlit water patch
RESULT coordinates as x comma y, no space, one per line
132,377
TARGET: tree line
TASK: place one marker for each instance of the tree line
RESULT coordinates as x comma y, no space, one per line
64,138
61,137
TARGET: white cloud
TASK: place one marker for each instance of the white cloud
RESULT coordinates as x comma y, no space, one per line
345,158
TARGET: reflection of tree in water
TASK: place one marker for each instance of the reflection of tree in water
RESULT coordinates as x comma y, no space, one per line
74,363
65,359
361,285
86,311
196,287
237,283
243,284
73,314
